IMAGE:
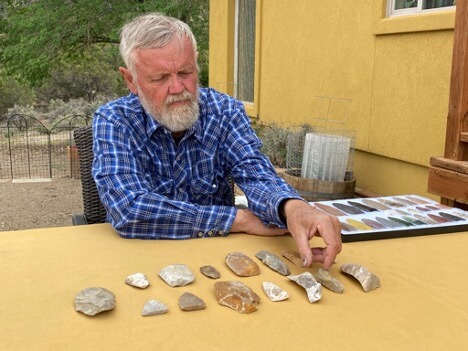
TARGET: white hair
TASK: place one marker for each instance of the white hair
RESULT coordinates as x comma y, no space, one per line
151,31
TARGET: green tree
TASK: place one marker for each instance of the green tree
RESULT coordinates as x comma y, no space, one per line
13,92
37,36
93,75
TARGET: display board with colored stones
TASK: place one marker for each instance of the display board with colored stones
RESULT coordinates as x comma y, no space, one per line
393,217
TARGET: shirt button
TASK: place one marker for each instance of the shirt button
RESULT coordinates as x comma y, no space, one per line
200,234
181,190
221,232
210,233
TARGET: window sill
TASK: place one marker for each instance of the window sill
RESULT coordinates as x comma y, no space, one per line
440,20
250,109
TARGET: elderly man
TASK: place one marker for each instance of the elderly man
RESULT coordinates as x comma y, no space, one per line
164,153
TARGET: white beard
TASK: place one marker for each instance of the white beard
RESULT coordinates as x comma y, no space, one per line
175,119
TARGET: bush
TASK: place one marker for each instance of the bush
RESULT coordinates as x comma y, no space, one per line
57,109
88,79
13,92
275,140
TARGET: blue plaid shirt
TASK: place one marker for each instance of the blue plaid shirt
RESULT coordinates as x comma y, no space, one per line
154,189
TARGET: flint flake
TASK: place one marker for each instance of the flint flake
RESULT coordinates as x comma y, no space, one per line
308,282
138,280
368,280
273,261
177,275
294,257
210,272
237,296
327,280
154,308
242,265
274,292
191,302
94,300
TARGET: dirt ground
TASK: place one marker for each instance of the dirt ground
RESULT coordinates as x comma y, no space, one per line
39,204
27,204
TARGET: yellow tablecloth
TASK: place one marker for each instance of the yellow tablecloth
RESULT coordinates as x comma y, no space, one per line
422,304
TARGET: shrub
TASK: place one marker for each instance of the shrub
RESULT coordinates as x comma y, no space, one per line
57,109
12,93
275,140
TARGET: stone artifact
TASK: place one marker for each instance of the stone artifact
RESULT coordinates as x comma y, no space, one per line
242,264
273,261
92,301
369,281
190,302
210,272
177,275
308,282
237,296
154,308
294,257
327,280
274,292
138,280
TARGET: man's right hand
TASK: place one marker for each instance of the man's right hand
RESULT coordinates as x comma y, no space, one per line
305,222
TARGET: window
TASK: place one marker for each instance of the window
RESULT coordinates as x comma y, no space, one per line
409,7
244,59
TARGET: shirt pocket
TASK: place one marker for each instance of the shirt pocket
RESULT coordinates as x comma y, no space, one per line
209,184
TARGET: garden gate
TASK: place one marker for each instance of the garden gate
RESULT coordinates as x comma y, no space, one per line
29,149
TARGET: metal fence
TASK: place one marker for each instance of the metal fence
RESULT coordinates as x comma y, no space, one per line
30,149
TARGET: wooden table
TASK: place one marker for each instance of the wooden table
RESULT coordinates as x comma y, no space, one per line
422,304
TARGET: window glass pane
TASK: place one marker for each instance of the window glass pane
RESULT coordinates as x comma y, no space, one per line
411,7
405,4
432,4
245,50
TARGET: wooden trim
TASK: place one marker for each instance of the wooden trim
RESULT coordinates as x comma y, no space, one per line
464,137
448,184
456,166
458,204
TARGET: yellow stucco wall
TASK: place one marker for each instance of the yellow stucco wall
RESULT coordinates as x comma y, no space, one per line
396,72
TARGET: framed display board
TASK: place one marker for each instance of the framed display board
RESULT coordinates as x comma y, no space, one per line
393,217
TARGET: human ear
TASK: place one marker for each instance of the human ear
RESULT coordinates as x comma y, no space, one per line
128,77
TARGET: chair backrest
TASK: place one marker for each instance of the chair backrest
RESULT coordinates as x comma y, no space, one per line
93,209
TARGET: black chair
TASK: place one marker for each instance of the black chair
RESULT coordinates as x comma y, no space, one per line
94,211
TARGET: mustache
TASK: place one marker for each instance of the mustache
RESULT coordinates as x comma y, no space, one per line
184,96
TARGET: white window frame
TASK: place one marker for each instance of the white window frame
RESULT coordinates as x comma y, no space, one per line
391,12
236,46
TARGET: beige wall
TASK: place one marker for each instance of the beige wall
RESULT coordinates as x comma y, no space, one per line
395,71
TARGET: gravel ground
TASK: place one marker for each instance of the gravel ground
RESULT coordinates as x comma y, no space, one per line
27,204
